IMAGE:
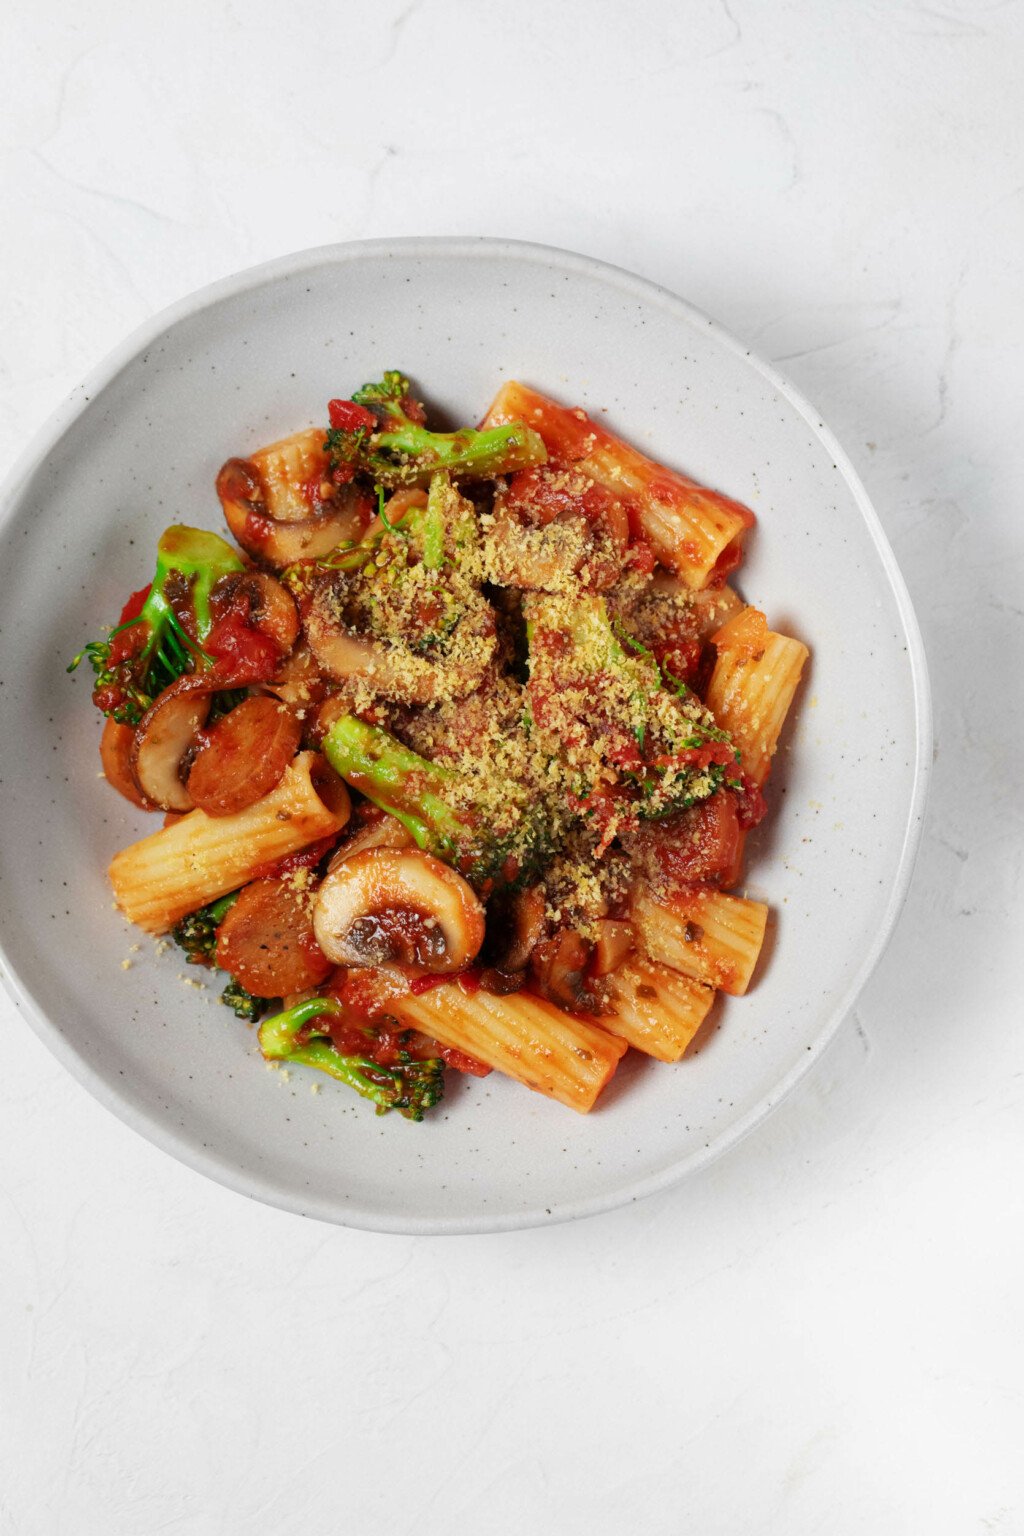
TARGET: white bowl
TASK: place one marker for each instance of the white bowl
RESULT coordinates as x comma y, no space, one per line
258,355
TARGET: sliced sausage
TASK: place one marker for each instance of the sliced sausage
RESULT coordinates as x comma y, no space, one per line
267,942
244,756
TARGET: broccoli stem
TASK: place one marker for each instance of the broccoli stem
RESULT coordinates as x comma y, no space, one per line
433,523
404,452
277,1034
202,558
411,454
419,793
425,524
410,1087
217,911
401,782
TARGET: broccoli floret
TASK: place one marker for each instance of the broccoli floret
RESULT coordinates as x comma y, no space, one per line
442,523
146,653
391,400
196,934
242,1003
410,1086
397,449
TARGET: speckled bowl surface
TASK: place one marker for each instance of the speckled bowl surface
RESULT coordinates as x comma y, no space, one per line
257,356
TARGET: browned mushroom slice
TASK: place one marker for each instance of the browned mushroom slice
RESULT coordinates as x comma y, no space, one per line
298,680
387,906
558,966
412,679
614,942
392,671
553,527
164,735
282,506
534,559
264,602
382,831
115,755
518,927
711,608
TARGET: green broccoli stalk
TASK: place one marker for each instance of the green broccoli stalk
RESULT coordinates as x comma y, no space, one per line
409,1086
447,521
196,933
434,520
153,647
400,450
401,782
423,796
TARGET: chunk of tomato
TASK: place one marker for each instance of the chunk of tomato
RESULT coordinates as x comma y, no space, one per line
694,846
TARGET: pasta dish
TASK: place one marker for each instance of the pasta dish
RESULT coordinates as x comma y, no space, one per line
457,747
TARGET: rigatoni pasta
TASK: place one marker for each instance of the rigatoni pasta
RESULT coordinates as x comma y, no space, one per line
755,677
710,935
199,858
459,755
654,1008
693,531
528,1038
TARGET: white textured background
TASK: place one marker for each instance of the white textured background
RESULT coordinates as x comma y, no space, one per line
823,1332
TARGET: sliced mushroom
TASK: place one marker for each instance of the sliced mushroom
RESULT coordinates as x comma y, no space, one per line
558,966
519,928
115,755
397,674
298,680
262,601
345,654
710,608
387,906
166,732
534,559
281,506
384,831
553,525
614,942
